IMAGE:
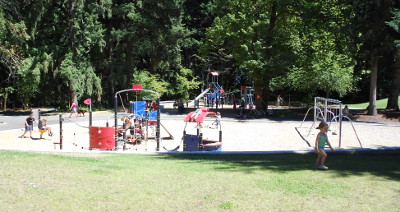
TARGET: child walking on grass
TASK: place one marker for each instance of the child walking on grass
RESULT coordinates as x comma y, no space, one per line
322,138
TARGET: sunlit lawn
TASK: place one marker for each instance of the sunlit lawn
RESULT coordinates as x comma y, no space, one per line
122,182
380,104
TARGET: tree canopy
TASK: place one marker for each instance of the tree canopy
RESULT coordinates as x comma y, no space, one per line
53,53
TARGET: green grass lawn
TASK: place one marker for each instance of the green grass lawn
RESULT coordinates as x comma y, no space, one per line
170,182
380,104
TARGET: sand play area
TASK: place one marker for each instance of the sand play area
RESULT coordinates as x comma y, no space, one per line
238,135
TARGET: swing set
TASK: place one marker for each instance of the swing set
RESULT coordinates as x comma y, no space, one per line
329,111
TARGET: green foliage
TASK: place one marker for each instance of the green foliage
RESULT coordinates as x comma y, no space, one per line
184,84
150,82
395,24
302,49
79,77
14,66
319,67
73,49
28,81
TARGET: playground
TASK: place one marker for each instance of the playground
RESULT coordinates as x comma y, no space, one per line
238,135
237,175
215,120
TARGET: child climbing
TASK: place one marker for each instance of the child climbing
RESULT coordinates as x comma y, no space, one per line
217,120
322,139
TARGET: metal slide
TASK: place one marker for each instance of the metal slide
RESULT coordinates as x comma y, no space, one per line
199,96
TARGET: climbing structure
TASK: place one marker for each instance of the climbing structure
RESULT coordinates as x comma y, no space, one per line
200,140
213,92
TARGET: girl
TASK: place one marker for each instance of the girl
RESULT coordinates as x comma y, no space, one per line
43,126
74,109
322,138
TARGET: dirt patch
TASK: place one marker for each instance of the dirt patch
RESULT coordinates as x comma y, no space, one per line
383,116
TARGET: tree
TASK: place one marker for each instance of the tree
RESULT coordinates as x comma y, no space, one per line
371,33
395,85
64,35
250,34
322,62
143,36
298,44
13,38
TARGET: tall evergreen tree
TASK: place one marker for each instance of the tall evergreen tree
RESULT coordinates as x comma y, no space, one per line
373,36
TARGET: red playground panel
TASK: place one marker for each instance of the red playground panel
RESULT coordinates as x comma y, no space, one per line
200,117
102,137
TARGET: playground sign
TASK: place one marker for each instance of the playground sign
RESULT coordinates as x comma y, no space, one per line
137,87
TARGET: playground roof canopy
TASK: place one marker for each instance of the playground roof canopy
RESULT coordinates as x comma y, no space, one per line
214,73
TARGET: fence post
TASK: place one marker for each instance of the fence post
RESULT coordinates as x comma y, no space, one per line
340,124
158,134
61,131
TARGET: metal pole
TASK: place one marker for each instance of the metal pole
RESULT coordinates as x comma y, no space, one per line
61,131
158,124
39,113
315,109
326,111
184,140
146,122
216,100
115,118
200,145
340,124
90,114
124,134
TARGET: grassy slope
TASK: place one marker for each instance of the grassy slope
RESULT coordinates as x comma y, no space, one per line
33,182
380,104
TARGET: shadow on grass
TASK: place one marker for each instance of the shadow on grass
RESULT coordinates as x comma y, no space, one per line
383,165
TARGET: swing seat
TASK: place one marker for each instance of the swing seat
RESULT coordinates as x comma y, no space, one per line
41,133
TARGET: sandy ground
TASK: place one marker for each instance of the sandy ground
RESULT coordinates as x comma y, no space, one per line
238,135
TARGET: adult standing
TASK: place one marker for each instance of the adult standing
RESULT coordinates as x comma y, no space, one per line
279,100
29,125
73,109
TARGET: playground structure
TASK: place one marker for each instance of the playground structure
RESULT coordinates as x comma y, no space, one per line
329,111
137,121
198,142
247,97
213,93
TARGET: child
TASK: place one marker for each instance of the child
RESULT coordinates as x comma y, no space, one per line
322,138
73,109
43,126
217,120
29,125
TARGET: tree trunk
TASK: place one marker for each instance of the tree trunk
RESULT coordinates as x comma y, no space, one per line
74,97
260,90
261,81
393,101
5,101
128,64
372,87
